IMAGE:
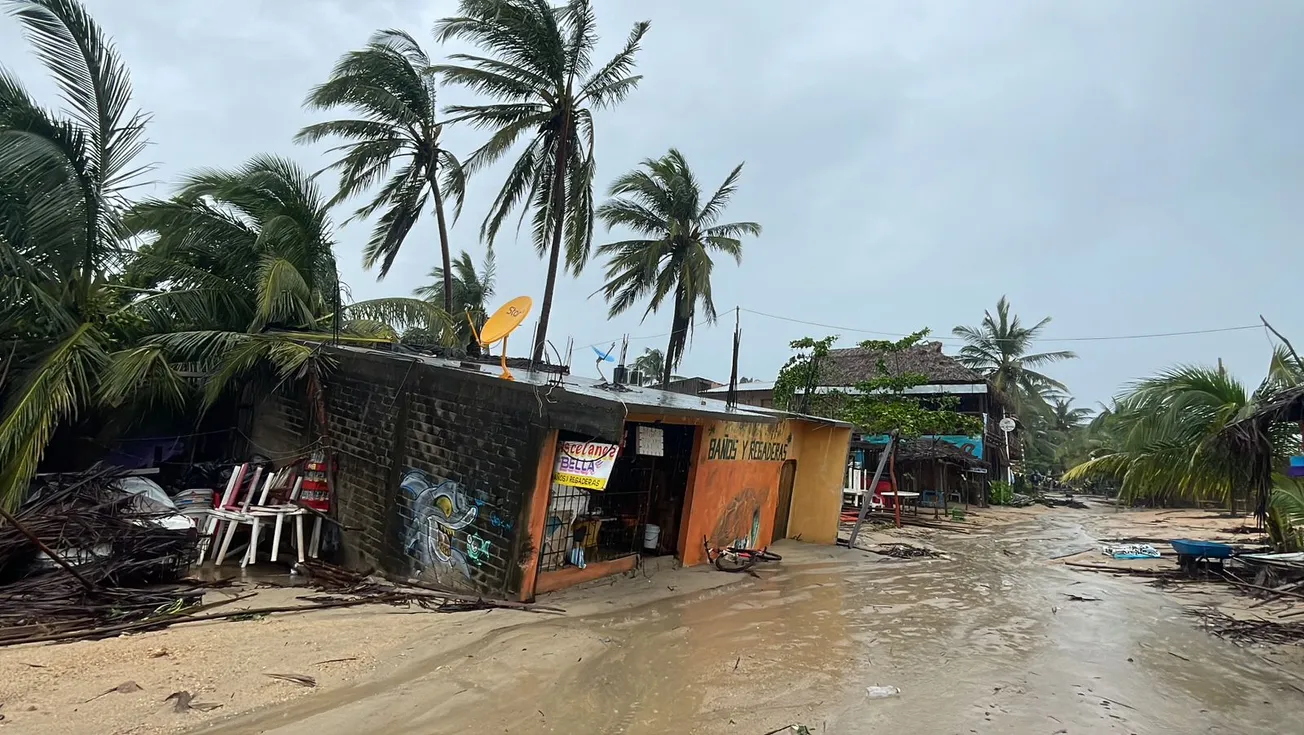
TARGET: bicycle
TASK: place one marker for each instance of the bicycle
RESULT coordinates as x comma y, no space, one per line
736,558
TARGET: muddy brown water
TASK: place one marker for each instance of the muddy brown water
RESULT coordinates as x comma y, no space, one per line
985,640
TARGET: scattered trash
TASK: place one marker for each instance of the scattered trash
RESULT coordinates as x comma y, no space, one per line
300,679
1131,551
877,692
794,729
185,701
1082,598
126,687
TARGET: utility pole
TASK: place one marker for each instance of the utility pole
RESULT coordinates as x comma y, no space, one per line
731,398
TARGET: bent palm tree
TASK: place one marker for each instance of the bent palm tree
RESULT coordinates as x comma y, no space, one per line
1166,438
247,256
999,350
663,204
538,66
388,85
63,178
471,293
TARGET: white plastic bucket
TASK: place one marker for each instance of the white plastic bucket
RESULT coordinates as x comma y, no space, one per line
651,536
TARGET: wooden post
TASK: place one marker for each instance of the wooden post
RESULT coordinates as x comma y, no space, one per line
864,502
896,490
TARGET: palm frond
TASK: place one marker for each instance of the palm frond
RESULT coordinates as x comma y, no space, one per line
54,390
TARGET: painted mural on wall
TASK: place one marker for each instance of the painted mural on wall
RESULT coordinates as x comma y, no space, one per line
439,538
739,523
748,442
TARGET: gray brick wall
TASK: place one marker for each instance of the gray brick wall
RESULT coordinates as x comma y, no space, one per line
435,467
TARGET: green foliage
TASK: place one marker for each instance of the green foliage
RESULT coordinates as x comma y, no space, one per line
879,405
472,291
63,180
1000,492
651,363
535,62
1000,350
670,258
794,388
387,86
1165,441
1286,513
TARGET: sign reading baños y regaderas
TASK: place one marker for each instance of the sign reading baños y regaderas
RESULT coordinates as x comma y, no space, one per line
584,464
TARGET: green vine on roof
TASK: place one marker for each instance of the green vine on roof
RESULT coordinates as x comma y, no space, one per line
878,405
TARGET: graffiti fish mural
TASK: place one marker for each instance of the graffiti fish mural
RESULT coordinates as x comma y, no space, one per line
439,511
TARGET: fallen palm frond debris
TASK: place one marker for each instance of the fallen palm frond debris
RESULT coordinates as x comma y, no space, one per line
1248,632
85,560
82,554
905,551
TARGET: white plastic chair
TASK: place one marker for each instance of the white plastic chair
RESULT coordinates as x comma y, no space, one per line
214,517
262,511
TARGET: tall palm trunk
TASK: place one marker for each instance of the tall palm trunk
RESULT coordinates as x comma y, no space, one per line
554,251
444,251
678,338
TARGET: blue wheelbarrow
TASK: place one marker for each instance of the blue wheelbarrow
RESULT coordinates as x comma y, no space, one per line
1192,554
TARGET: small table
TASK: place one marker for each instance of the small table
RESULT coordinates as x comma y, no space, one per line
904,496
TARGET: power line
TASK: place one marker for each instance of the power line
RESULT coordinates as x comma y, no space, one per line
642,339
1039,339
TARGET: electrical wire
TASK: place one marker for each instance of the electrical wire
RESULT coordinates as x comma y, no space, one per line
1039,339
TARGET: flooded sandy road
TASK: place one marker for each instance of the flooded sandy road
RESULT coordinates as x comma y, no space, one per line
986,640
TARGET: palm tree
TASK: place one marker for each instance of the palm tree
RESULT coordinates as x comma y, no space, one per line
472,291
661,203
999,350
538,67
1066,418
1166,438
240,276
387,84
651,364
63,183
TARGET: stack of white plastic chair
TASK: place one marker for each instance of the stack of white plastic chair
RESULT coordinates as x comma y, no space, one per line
262,512
228,511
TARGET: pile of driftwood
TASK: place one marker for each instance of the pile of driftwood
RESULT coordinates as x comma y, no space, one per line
81,554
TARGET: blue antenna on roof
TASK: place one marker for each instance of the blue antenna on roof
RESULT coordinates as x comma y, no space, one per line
604,357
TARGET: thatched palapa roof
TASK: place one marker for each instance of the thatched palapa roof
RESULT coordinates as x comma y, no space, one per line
847,367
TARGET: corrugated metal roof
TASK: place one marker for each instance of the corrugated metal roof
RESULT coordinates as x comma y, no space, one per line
633,398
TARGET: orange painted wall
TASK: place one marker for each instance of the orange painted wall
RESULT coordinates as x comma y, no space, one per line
735,486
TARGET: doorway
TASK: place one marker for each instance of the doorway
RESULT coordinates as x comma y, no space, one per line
787,475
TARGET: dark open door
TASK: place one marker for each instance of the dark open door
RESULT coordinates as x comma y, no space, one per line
786,476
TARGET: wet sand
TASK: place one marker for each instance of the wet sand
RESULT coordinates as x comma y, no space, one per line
986,639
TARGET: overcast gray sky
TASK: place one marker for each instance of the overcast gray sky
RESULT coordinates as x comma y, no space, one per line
1125,167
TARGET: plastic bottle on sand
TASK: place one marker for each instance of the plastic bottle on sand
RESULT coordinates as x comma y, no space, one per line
882,692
